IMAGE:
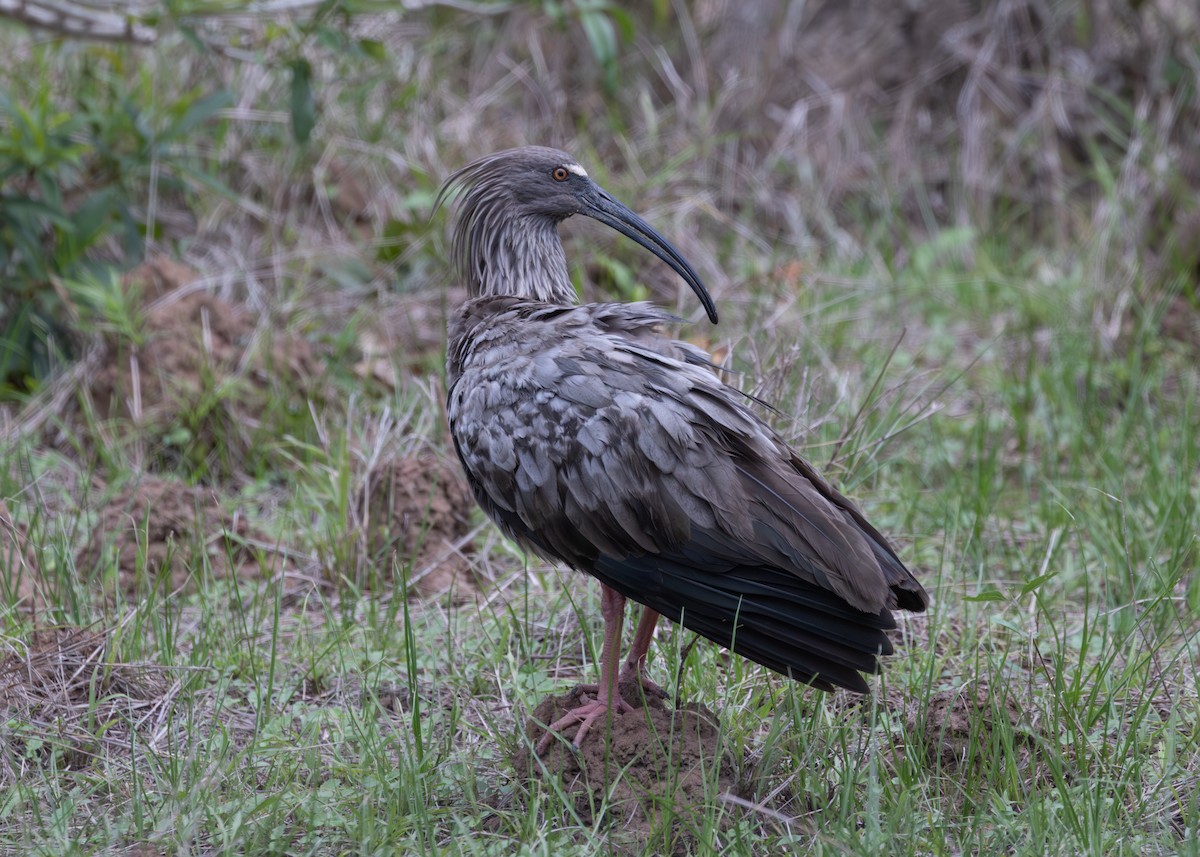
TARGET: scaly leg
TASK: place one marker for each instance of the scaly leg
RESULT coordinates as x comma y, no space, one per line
608,698
631,670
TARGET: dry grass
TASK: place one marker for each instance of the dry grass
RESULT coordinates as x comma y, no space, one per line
70,704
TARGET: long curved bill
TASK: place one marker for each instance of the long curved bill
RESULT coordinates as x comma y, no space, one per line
612,213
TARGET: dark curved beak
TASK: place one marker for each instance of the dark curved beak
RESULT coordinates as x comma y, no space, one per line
601,206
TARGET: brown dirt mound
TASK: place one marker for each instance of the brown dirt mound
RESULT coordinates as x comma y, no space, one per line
418,512
200,365
20,576
157,524
953,730
658,765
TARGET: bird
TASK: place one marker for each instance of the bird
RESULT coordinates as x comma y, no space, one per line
594,439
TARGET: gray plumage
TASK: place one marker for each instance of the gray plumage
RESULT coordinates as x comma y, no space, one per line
593,438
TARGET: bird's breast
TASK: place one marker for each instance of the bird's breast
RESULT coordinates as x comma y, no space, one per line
559,439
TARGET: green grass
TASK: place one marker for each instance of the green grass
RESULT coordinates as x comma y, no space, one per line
1004,406
1050,507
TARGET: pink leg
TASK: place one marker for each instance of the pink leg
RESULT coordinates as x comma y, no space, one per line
612,608
631,670
642,636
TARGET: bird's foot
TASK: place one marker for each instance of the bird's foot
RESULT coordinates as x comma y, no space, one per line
586,715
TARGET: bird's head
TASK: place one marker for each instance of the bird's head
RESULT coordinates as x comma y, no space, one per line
535,186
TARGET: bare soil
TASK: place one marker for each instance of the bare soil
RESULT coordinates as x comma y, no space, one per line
1181,321
944,732
418,514
655,765
155,526
203,364
406,335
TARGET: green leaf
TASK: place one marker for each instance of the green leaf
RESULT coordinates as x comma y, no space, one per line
190,36
394,243
347,271
15,359
1031,585
986,595
88,224
92,215
601,35
373,48
333,39
23,206
624,22
199,112
204,179
304,110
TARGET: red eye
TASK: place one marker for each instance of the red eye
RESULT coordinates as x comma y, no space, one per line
560,174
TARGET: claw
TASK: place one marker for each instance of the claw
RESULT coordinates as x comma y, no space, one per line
586,716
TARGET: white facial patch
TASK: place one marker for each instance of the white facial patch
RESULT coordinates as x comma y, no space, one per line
576,169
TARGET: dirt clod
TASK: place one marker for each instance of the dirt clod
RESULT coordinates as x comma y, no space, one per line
406,337
418,510
156,524
157,276
348,190
658,765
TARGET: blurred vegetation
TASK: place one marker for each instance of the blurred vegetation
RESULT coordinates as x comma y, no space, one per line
76,176
1065,122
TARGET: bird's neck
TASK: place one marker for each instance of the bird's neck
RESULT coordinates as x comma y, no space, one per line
518,257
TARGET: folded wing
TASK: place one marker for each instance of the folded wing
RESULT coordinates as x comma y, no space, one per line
627,458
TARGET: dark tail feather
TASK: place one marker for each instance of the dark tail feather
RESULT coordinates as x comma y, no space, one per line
787,625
